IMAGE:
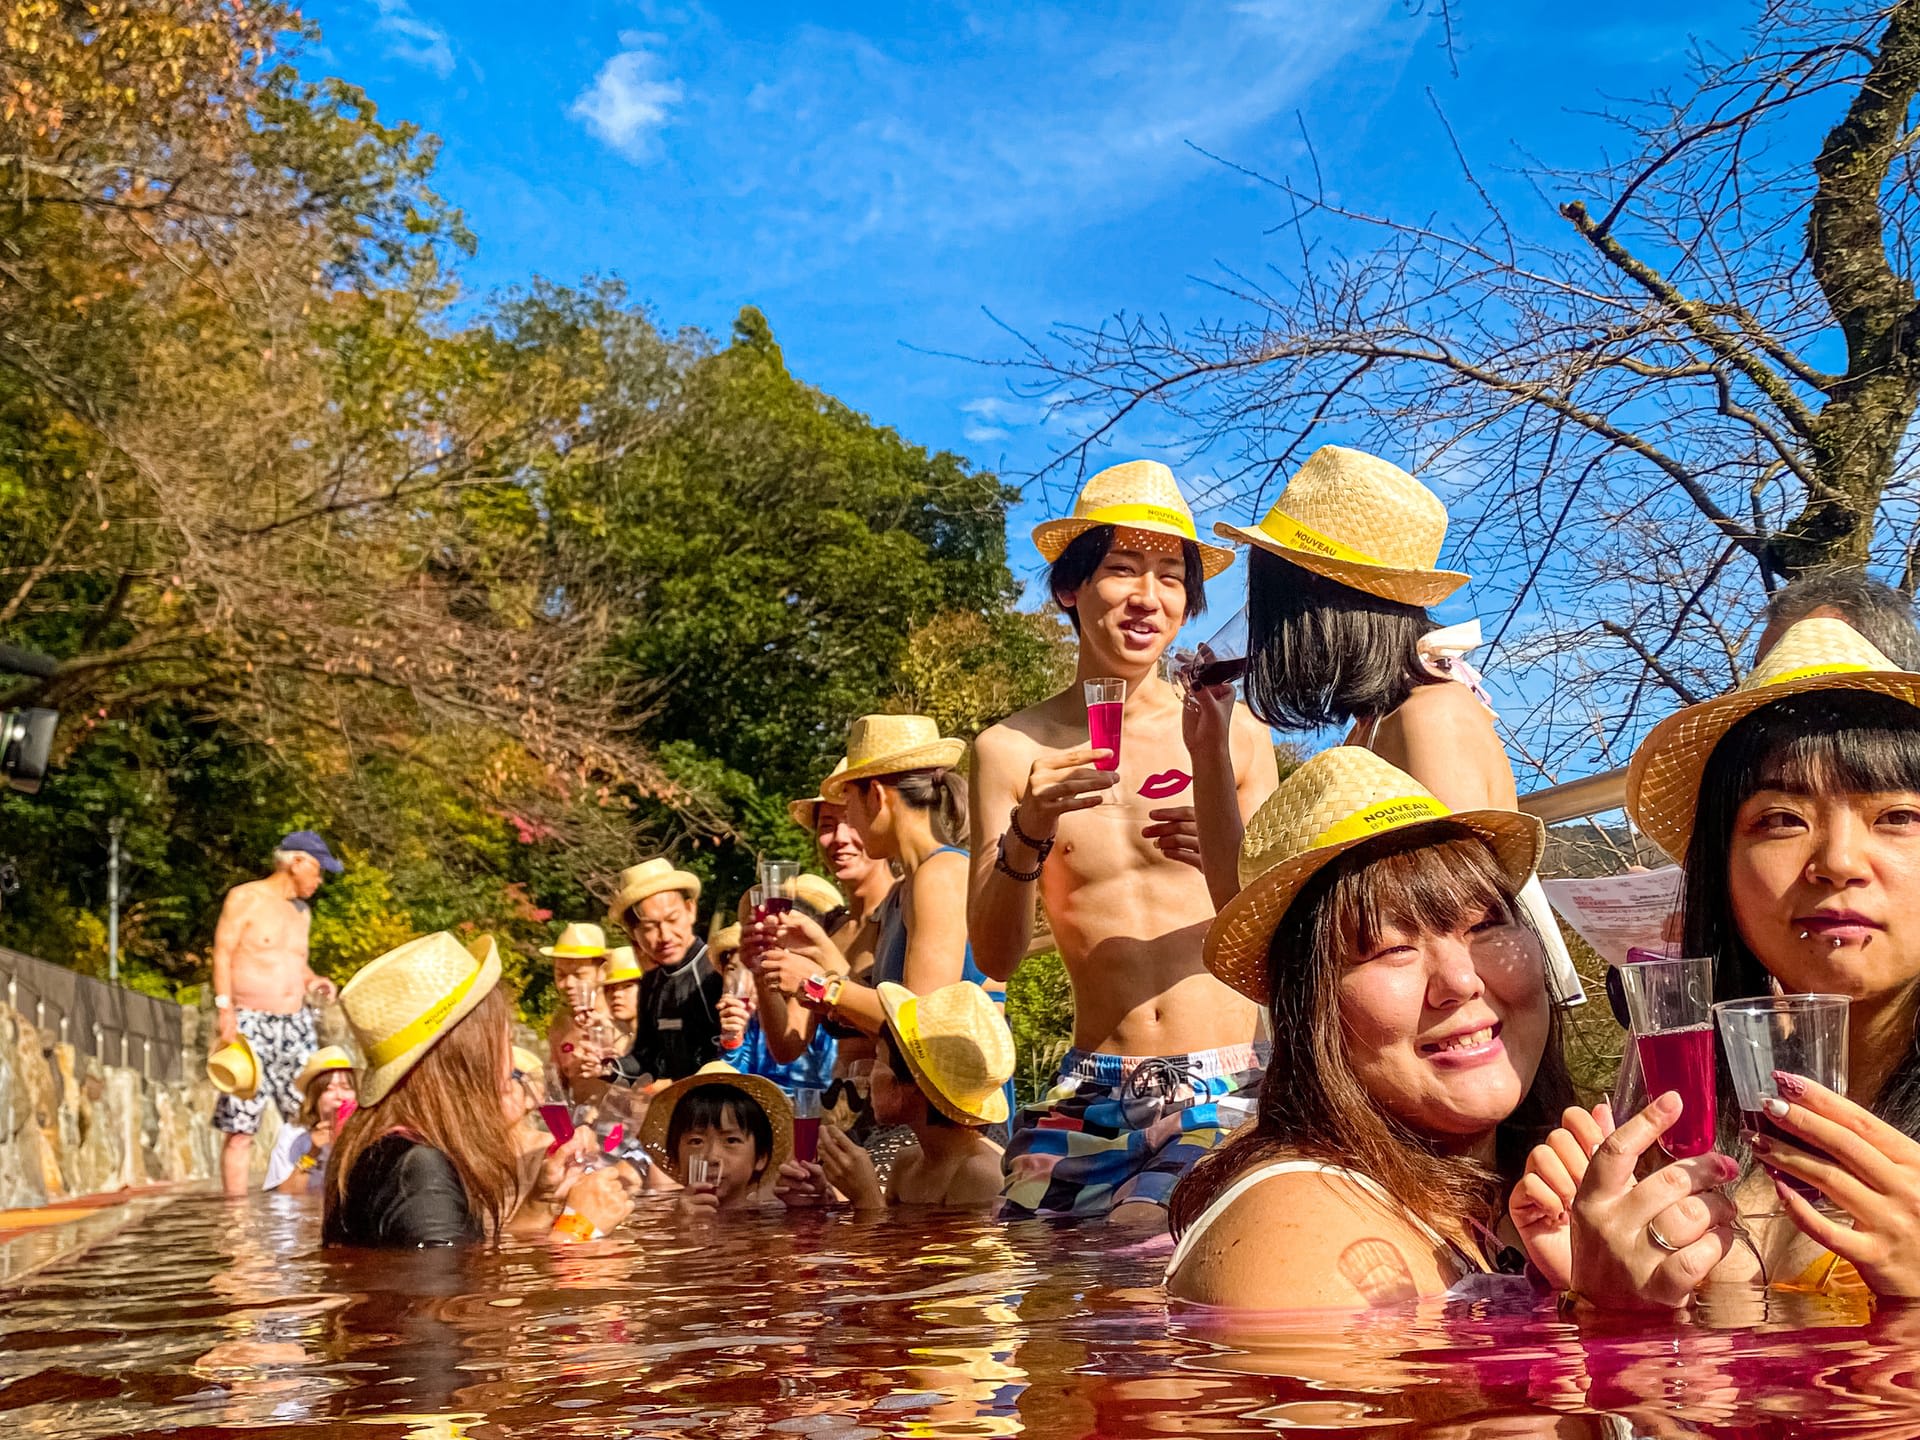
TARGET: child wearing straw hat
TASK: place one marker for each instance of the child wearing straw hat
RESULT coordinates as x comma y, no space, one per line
739,1125
1114,854
1342,570
943,1063
325,1086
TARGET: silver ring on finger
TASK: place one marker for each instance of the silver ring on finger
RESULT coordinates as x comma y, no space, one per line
1660,1242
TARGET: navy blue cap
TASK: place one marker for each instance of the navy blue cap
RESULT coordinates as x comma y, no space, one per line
308,843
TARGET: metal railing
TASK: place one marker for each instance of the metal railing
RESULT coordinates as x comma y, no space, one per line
114,1025
1578,799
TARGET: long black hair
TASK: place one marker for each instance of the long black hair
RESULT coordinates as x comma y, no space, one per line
1322,653
1822,741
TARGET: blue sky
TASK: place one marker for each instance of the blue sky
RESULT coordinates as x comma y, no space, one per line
879,178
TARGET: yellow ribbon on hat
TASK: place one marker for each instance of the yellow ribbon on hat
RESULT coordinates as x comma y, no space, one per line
1135,514
1386,815
1291,533
419,1028
1808,672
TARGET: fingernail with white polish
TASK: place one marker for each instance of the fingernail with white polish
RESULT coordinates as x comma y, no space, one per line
1774,1106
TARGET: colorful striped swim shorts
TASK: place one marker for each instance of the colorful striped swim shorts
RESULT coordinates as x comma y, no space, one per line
1121,1128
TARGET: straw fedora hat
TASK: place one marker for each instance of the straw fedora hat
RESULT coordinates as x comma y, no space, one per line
234,1069
1361,521
1663,778
723,941
326,1059
623,965
769,1096
578,941
649,878
400,1004
958,1046
891,745
1135,495
528,1063
806,813
1340,798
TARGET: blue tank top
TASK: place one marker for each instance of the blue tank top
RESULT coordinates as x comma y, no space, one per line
890,949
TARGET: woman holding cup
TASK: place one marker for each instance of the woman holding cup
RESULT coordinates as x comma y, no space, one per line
1794,804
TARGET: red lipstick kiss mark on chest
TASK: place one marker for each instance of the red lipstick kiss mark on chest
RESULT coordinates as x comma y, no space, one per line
1167,783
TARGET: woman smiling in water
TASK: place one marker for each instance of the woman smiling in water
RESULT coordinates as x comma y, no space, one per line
1416,1053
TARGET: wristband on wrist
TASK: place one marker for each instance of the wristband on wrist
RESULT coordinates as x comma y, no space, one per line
223,1002
1023,877
572,1225
1041,848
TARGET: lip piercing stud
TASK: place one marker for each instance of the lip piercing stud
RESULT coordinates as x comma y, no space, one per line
1805,936
1836,942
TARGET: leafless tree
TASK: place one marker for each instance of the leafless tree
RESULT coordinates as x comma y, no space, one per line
1652,390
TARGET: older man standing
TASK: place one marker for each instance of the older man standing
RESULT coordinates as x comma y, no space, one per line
261,980
679,1013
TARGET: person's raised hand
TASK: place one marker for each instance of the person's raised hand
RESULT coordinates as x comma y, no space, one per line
734,1014
1648,1244
801,1186
1541,1207
698,1204
1870,1170
1060,782
1206,717
565,1164
849,1169
1175,833
605,1196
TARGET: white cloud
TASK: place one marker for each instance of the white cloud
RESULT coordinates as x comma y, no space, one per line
413,40
628,101
1027,117
979,433
996,410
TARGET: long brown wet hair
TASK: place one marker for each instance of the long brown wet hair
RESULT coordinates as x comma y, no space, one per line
1434,881
450,1100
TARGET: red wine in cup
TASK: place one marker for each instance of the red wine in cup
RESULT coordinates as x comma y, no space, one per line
806,1139
1682,1060
1758,1122
775,905
1218,672
1103,729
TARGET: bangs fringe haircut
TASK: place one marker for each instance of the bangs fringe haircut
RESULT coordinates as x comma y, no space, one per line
1082,557
1312,1105
1825,742
714,1107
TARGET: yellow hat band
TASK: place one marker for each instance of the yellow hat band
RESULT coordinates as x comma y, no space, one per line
1138,514
1809,672
1291,533
1377,819
422,1027
574,952
906,1022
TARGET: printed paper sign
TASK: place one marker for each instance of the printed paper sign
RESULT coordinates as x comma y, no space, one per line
1614,913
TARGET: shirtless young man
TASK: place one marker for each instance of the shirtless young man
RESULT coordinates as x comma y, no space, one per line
260,982
1164,1063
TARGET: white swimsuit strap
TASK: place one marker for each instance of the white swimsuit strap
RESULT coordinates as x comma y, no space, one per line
1274,1168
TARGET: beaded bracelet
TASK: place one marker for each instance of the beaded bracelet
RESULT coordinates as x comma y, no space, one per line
1041,848
1024,877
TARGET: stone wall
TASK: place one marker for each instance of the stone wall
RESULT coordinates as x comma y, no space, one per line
72,1125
